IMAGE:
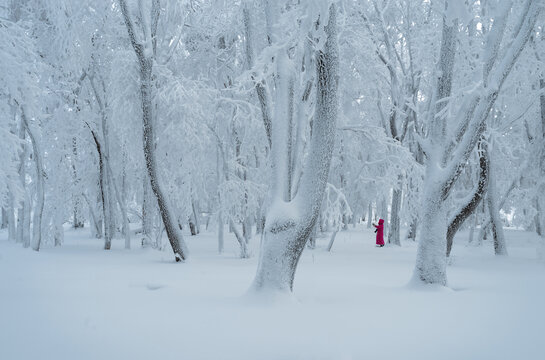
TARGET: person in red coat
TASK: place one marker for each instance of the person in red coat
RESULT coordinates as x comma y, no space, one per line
380,233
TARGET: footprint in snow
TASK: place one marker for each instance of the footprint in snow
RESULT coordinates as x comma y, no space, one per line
154,286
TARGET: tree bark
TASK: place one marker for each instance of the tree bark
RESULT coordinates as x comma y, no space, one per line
38,210
4,223
22,177
470,207
289,224
104,194
494,211
393,235
145,62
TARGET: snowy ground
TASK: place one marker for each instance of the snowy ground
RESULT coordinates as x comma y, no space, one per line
80,302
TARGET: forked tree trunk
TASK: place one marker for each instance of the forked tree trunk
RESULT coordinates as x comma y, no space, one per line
289,224
444,164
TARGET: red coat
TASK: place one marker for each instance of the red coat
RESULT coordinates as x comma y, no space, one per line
380,232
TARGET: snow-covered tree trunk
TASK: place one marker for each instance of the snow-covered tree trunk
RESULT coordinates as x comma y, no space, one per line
26,222
470,207
393,235
38,160
494,211
445,163
385,214
22,177
289,224
145,56
12,229
77,211
124,213
220,214
148,208
4,223
260,87
370,215
106,176
431,261
104,194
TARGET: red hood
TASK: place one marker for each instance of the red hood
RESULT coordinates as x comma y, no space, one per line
381,221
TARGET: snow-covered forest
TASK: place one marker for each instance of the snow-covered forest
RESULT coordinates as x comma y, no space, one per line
202,179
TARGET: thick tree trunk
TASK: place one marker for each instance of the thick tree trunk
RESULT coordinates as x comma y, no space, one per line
431,260
289,224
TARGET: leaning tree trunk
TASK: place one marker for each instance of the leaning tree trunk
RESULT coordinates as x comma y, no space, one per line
470,207
289,224
145,58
